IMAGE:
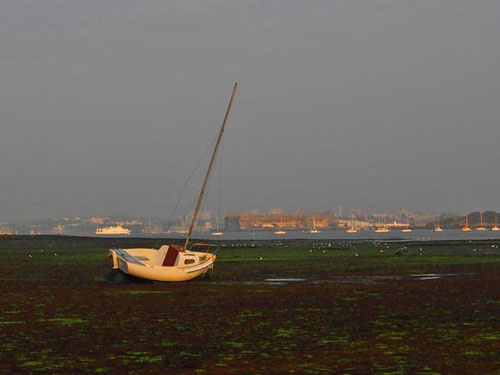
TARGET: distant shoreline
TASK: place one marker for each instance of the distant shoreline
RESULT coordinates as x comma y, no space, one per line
123,240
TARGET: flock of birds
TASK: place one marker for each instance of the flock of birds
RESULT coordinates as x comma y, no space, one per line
321,247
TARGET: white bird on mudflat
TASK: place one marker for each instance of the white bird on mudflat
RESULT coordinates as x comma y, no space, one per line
356,254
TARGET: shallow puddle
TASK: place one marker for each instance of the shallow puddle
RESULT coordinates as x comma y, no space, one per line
375,279
284,281
435,276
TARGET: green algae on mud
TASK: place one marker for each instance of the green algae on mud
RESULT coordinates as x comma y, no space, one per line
350,314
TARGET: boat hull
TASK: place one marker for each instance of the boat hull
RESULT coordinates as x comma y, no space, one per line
150,264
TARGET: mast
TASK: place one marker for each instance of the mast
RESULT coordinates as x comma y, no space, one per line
210,165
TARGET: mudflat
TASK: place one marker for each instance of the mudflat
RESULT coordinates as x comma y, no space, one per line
298,307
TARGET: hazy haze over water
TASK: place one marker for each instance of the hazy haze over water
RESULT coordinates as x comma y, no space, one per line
106,106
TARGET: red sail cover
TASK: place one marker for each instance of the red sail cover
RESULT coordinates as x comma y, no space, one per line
170,258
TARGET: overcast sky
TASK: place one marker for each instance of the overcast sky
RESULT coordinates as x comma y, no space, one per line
107,106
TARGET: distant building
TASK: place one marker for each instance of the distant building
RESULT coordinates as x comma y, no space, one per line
232,221
98,220
347,223
422,220
247,221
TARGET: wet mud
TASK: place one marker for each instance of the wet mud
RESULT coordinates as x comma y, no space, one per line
268,309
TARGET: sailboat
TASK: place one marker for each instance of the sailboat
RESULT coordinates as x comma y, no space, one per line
438,228
217,231
481,227
314,229
495,228
407,228
466,228
280,231
382,229
352,229
170,262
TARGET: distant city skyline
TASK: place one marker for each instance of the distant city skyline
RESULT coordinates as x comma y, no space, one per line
274,219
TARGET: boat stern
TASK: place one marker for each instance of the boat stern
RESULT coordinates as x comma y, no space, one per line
112,258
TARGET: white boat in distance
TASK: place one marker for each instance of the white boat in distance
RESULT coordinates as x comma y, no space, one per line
113,231
170,262
352,228
313,229
438,228
217,231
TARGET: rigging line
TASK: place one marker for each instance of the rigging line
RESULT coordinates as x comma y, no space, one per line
212,186
189,178
211,182
204,204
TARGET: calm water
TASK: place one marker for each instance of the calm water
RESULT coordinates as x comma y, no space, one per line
395,235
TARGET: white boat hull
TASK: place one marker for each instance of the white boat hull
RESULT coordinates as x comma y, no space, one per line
169,263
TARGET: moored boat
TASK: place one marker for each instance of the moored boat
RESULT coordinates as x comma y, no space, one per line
495,228
481,227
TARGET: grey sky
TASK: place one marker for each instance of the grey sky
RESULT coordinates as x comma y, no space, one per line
106,106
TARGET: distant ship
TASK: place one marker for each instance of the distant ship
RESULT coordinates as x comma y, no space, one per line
113,231
406,230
